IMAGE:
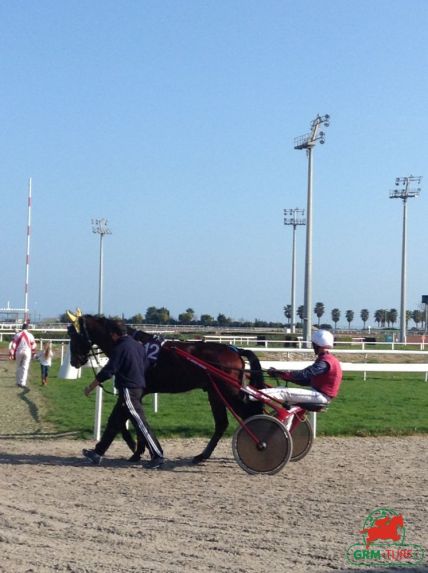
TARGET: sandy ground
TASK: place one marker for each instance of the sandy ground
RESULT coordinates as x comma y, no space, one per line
60,514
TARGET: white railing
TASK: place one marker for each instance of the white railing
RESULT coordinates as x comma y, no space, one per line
288,345
350,366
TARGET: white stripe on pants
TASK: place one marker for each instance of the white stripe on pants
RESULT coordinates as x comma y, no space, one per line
153,448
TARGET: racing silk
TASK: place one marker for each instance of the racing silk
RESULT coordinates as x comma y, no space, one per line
329,381
22,342
127,363
324,375
153,348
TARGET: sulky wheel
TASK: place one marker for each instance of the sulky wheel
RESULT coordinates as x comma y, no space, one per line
303,437
263,445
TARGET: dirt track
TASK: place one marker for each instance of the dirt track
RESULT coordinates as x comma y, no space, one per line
59,514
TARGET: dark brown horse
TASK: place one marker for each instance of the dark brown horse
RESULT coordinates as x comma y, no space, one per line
172,373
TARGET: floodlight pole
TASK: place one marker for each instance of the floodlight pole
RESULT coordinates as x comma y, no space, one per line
308,142
404,193
27,257
99,227
293,217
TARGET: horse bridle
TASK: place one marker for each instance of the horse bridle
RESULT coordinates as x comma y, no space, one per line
84,335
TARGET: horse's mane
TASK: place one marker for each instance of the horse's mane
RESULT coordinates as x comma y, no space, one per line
107,323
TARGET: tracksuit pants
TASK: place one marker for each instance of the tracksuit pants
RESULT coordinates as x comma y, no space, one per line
128,406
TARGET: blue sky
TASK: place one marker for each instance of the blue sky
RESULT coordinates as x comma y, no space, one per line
176,122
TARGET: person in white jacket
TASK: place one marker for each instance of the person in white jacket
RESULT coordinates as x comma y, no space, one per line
22,349
45,358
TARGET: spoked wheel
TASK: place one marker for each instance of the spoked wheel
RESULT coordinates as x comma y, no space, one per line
303,436
262,446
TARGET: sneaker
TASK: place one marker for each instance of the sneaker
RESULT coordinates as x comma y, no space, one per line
154,463
93,456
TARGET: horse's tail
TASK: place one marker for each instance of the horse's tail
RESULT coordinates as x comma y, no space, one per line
256,376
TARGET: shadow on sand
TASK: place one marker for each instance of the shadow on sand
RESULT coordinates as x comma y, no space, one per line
180,464
32,408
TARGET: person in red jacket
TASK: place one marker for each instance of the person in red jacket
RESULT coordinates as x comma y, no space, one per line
321,381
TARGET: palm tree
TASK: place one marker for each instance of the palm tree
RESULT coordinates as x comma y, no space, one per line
319,310
301,312
287,312
349,317
392,316
364,314
380,317
335,316
417,317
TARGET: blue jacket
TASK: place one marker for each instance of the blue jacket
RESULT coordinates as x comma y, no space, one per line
127,363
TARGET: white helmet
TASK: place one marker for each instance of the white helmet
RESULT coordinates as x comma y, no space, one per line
323,338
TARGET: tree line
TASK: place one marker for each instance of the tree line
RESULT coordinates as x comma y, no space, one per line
382,317
162,316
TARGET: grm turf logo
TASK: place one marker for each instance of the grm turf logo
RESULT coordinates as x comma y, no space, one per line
384,536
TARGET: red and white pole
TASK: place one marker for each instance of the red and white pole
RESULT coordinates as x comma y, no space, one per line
27,258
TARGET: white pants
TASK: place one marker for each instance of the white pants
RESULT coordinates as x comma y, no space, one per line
23,359
297,395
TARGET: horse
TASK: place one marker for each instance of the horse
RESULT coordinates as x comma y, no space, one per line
172,374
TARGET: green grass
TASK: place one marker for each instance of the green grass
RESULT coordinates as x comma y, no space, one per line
384,404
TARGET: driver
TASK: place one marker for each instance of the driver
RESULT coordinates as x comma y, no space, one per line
322,379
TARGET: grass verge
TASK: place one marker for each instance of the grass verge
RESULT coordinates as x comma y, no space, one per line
384,404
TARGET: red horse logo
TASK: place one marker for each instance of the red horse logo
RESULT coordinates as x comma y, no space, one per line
384,528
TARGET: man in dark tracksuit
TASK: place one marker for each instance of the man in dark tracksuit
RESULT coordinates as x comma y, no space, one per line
127,363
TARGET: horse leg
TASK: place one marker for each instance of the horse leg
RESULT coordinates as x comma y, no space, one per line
221,422
139,450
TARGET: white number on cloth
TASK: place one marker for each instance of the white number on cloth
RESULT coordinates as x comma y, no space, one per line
152,350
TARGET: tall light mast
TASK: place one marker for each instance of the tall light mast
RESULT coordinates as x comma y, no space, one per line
294,218
308,142
404,192
27,257
100,227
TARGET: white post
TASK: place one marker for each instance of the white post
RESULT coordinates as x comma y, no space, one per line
98,413
155,403
313,420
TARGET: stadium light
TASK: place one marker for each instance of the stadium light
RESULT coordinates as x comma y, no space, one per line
99,227
293,217
404,192
308,142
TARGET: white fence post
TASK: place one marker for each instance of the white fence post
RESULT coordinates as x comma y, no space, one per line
98,413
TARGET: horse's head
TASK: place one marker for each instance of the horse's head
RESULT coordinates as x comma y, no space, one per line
85,331
80,343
